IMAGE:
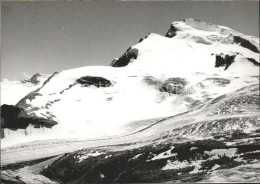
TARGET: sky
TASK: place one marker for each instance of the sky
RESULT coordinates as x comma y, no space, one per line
44,37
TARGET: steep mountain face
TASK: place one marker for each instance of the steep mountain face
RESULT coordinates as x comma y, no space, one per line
185,106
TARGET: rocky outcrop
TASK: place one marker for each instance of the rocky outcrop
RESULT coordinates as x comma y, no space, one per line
224,60
142,39
252,60
94,81
245,43
14,117
172,31
125,59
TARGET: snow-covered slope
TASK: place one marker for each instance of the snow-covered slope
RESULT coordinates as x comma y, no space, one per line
159,77
13,91
182,107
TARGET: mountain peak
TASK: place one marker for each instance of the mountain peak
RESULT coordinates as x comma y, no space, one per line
191,24
207,33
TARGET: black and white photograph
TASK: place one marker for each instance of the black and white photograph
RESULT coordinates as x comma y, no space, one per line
130,91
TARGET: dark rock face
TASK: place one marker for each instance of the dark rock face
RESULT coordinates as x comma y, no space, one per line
245,43
14,117
125,59
171,32
252,60
224,61
95,81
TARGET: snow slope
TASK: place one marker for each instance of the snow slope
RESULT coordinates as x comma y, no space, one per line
188,58
13,91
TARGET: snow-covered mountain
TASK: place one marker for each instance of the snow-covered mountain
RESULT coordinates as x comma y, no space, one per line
13,91
199,82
